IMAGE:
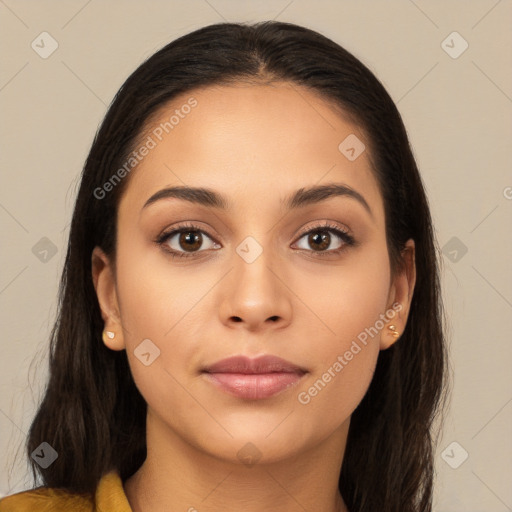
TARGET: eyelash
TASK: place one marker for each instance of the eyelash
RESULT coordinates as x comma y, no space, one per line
326,226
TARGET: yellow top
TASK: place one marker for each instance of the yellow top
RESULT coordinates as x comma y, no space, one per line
110,497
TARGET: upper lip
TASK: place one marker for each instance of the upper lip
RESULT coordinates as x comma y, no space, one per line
262,364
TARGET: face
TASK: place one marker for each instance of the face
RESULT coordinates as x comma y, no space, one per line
252,274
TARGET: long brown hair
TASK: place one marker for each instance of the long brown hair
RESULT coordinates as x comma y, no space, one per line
92,413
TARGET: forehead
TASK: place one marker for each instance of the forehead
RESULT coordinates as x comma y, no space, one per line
250,140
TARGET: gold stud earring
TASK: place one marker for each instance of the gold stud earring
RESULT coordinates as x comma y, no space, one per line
393,330
108,334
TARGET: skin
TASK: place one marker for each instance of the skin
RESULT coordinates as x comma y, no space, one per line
255,144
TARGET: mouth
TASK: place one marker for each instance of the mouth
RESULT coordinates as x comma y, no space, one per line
254,379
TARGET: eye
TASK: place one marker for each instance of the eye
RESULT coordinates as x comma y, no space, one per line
321,238
185,240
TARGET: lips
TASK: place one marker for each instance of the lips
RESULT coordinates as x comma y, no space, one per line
254,379
262,364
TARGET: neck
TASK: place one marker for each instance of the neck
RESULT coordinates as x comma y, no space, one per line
178,476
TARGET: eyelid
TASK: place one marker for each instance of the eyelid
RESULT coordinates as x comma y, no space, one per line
325,224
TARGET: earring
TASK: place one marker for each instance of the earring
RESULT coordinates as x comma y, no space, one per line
393,330
110,334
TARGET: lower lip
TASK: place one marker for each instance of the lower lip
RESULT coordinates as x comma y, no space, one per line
254,386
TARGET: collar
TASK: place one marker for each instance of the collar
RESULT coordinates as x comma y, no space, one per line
110,494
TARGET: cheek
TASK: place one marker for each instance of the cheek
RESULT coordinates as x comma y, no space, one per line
160,302
351,303
155,294
343,301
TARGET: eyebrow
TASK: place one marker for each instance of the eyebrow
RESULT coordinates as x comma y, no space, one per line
300,198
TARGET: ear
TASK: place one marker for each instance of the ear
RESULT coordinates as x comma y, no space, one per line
400,296
103,277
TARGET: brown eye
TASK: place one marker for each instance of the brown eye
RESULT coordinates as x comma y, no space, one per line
186,240
190,240
320,240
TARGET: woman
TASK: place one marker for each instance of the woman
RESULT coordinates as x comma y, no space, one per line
250,311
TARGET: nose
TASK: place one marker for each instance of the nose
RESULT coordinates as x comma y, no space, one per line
255,295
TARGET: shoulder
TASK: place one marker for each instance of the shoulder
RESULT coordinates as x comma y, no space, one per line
110,496
45,499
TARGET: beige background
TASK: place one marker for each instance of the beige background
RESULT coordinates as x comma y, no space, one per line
458,114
